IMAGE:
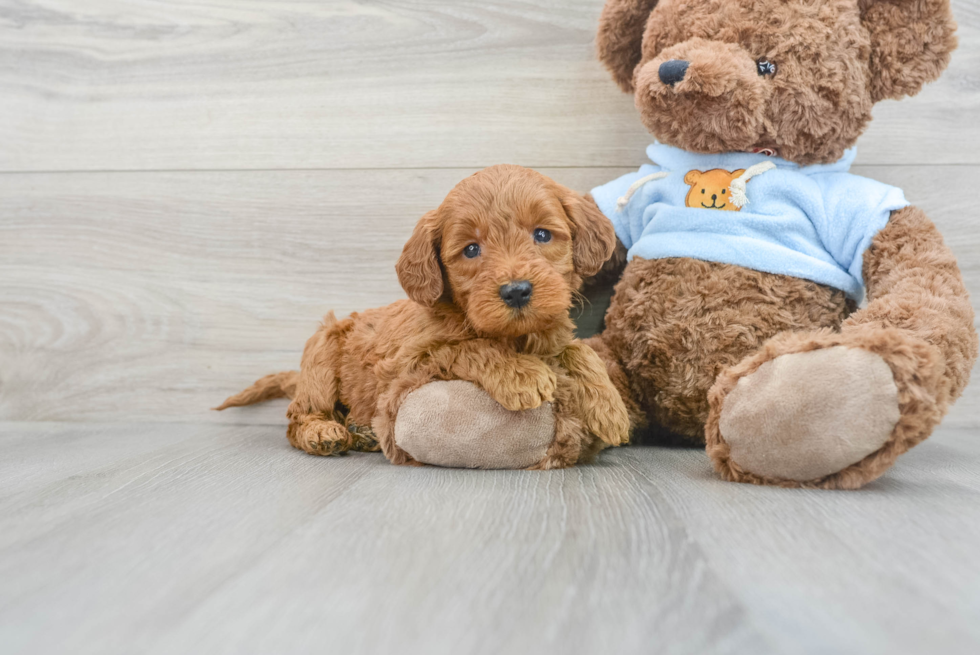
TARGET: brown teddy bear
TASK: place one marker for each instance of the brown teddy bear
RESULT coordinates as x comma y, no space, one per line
741,329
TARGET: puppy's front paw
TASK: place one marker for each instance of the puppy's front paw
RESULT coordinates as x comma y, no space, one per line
609,420
525,383
319,437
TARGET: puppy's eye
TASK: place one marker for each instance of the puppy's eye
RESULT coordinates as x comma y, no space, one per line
471,251
542,235
765,67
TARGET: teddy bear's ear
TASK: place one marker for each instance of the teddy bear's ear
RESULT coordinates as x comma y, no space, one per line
692,177
620,37
911,42
418,268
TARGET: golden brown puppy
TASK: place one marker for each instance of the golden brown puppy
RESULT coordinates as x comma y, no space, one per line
490,275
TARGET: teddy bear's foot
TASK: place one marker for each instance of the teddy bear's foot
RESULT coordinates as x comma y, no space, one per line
457,424
802,417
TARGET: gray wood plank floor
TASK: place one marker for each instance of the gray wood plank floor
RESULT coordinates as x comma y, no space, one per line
186,187
190,538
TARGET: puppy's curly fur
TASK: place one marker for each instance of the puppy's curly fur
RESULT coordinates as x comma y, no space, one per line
502,225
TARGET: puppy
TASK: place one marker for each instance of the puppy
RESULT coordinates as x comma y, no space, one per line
490,277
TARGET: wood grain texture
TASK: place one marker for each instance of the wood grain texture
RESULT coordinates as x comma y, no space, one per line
145,85
218,539
153,296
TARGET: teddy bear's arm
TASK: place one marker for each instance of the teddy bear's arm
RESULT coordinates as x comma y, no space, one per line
835,409
515,381
915,286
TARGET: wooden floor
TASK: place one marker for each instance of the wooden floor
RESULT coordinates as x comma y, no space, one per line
186,187
191,538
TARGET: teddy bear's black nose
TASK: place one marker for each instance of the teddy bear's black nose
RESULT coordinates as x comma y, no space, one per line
673,71
516,294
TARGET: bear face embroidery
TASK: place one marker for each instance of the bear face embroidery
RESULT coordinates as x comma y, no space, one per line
711,189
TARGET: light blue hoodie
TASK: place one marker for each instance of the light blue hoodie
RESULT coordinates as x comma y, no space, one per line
813,222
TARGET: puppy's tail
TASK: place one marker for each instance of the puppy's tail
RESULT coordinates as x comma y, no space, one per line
277,385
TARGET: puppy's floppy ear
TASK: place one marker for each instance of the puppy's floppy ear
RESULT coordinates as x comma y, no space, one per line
593,236
419,270
911,41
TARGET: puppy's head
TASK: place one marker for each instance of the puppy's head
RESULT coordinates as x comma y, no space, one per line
508,246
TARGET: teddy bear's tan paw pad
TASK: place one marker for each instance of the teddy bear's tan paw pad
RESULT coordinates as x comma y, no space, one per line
803,416
456,423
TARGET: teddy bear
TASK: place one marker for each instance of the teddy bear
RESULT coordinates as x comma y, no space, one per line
746,247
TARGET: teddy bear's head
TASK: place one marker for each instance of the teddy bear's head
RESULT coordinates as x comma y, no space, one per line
798,77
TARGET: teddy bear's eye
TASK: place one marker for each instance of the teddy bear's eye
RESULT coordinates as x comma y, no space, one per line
724,191
702,190
765,67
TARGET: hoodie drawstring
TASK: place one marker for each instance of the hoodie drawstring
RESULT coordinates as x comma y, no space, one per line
738,197
622,202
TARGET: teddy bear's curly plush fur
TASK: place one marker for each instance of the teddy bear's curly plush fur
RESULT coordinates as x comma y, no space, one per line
798,78
785,380
833,60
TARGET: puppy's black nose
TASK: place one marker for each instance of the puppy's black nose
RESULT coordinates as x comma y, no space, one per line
673,71
516,294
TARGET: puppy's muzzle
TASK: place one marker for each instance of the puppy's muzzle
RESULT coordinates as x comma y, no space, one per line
516,294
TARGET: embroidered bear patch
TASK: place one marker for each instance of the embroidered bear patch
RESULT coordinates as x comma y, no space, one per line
711,189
